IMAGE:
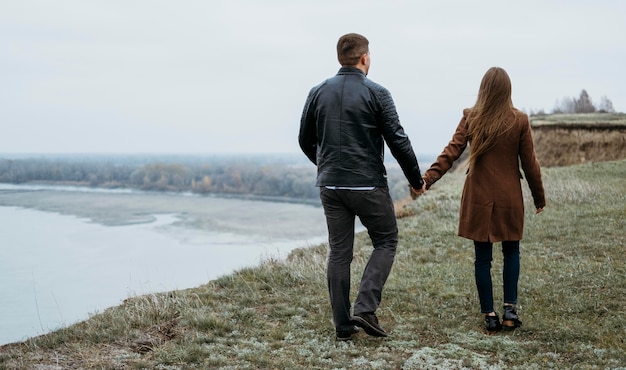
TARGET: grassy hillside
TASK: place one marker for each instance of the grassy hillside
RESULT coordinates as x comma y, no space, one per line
277,316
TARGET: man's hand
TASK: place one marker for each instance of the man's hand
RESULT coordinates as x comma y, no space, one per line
415,193
538,210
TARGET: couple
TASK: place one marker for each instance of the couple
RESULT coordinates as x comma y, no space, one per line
345,123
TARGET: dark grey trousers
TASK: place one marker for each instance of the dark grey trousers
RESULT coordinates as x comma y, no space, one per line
375,210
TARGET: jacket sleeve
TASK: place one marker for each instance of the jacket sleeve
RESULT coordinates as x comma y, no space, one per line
307,137
530,164
449,155
398,141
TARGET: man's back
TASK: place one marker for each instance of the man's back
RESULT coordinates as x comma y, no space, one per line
342,117
344,125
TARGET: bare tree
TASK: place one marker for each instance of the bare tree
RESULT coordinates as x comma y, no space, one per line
606,106
583,104
566,105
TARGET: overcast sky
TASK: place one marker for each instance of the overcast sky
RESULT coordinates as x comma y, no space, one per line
191,76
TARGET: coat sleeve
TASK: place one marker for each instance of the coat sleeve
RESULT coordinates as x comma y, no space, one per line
307,137
398,141
530,164
449,155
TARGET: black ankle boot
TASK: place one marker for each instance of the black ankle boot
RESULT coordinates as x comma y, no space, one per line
492,324
510,320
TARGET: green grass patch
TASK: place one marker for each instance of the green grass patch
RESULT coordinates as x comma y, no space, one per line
613,119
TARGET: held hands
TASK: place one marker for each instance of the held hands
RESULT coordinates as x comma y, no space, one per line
538,210
415,193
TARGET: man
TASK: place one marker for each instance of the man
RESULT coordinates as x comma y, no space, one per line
345,123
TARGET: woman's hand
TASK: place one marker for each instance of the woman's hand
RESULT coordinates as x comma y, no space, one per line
415,193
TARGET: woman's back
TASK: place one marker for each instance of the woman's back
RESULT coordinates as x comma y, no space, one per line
492,206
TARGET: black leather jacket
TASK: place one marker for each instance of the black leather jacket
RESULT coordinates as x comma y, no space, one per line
344,125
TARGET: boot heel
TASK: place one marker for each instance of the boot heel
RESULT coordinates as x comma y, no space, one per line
510,320
508,324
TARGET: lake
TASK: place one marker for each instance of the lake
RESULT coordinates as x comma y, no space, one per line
69,252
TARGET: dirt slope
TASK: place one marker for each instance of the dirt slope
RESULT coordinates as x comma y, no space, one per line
562,140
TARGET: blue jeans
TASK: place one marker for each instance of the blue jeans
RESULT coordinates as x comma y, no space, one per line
375,210
482,273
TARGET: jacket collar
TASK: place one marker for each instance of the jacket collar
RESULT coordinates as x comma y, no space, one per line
350,70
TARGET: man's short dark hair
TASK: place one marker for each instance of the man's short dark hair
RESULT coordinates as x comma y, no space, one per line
350,47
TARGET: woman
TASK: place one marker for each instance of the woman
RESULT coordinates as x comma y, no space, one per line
492,206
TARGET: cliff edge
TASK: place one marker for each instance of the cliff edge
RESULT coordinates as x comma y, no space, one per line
567,139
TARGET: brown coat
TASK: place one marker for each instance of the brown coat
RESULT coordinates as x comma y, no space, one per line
492,205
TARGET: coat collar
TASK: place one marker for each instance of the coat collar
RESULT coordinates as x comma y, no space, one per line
350,70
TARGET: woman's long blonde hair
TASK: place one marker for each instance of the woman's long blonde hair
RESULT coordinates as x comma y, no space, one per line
492,114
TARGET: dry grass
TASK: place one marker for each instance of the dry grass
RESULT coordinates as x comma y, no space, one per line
276,315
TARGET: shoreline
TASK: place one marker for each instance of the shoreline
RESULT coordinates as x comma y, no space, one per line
72,187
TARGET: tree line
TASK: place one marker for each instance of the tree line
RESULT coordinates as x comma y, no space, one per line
582,104
283,178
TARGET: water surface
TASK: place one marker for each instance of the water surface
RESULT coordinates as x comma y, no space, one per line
66,254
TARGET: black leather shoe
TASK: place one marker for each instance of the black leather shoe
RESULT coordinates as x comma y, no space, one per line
510,320
492,324
344,335
369,323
